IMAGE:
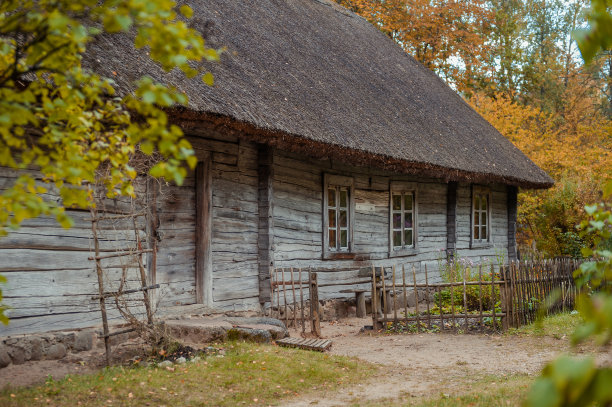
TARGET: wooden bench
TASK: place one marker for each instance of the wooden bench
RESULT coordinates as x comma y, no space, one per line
360,300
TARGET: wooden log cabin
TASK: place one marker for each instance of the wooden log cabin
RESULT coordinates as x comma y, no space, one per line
322,144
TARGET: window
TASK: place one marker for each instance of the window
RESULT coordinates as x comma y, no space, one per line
481,216
338,215
403,213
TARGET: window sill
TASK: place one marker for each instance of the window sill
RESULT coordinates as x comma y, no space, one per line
413,251
338,256
481,245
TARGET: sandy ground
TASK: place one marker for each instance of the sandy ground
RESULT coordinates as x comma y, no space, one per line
428,364
415,364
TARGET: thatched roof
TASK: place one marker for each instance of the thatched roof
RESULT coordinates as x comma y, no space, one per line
318,74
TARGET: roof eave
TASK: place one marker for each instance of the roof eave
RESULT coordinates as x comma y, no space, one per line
191,120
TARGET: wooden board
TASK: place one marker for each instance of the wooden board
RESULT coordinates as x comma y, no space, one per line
319,345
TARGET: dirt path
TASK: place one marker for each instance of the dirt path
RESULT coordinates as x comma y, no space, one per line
426,364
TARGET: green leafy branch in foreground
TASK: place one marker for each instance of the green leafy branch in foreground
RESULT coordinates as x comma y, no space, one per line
62,123
579,382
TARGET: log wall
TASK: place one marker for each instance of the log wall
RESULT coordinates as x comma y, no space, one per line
298,194
51,280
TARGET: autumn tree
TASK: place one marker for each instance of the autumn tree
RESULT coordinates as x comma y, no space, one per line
447,36
60,122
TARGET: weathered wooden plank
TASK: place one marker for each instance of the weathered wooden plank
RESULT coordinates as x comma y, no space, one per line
265,240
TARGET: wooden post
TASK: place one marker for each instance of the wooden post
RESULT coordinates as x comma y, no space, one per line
465,299
285,297
265,227
314,305
441,310
493,297
452,294
361,307
504,298
480,296
394,299
294,300
427,298
203,244
302,301
271,291
384,302
277,292
405,295
416,300
374,305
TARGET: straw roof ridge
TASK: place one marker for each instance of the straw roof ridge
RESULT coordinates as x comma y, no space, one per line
314,70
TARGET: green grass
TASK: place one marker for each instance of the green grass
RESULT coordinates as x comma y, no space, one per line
248,374
556,326
486,391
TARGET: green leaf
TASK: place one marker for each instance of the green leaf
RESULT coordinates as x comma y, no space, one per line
208,79
186,11
543,393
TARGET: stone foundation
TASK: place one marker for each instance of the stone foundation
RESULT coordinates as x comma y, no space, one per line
48,346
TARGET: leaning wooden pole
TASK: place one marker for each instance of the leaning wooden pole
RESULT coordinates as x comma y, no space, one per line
99,272
143,275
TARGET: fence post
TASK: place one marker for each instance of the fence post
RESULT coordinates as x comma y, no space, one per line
314,305
506,298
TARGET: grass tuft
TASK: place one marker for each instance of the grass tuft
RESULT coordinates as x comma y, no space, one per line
557,326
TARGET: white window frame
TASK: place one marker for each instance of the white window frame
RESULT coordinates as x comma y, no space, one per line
476,216
403,188
338,183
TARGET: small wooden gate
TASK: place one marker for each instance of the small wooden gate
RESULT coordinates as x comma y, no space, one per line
295,298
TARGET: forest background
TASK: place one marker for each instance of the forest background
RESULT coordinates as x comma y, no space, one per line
517,63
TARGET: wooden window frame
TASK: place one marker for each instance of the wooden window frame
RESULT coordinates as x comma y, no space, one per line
339,181
398,187
480,243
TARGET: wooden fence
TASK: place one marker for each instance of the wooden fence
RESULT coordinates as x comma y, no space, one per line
540,286
482,298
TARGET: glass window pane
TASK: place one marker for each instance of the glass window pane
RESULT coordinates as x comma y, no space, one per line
476,233
331,197
397,238
408,202
331,213
476,218
484,202
408,237
344,198
332,239
343,219
483,218
397,202
397,220
344,239
483,232
408,220
476,202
